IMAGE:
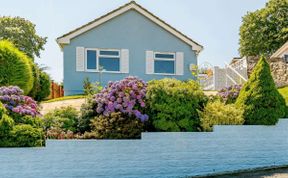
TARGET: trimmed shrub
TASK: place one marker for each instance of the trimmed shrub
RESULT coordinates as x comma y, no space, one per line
217,113
173,104
16,103
230,94
116,126
260,99
64,118
24,135
15,68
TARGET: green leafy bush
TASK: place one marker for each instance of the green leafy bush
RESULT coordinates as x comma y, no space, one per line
217,113
173,104
260,99
15,68
65,118
88,112
24,135
116,126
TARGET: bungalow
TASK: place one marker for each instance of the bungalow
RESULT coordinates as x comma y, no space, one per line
127,41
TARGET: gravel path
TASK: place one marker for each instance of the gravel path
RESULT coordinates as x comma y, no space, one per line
76,103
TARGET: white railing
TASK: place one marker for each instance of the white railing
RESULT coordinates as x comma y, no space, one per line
235,73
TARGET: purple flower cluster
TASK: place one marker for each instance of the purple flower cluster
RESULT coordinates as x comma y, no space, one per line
126,96
14,101
230,94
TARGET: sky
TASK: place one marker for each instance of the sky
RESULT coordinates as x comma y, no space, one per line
212,23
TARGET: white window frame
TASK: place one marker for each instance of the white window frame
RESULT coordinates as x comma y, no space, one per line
164,59
99,55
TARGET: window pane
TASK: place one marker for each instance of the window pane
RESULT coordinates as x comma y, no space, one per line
110,53
91,59
164,67
165,56
109,64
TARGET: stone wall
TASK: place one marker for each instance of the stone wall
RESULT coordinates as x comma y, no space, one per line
279,69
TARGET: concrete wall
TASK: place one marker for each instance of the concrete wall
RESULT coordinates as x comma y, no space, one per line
178,154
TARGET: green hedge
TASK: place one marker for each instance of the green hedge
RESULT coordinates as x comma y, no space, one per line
260,99
217,113
173,104
15,68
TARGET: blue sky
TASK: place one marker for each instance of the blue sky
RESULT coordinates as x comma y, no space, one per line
212,23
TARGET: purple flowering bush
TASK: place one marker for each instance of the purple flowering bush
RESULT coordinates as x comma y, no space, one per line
20,125
16,103
229,94
126,96
124,99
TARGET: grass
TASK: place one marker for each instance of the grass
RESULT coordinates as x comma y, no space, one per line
284,93
65,98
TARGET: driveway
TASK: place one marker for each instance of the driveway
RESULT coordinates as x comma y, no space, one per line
76,103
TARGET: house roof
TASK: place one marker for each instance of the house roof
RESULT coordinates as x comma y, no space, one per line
281,50
65,39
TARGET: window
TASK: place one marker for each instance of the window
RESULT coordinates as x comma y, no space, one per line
91,60
164,63
108,60
286,58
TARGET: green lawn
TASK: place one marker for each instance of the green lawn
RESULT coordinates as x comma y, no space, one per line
284,93
65,98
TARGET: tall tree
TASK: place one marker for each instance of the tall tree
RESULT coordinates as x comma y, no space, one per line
264,31
22,33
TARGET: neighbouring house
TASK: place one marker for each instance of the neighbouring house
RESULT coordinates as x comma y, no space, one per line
239,70
127,41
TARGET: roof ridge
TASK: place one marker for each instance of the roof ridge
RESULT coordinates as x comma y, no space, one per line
123,6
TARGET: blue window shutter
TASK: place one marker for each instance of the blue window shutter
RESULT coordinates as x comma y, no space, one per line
179,63
149,62
124,61
80,59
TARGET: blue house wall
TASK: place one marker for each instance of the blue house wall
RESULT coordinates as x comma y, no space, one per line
131,31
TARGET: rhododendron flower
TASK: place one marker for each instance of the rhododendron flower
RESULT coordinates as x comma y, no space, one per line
126,96
14,101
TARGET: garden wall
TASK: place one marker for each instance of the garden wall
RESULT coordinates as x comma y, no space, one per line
177,154
278,66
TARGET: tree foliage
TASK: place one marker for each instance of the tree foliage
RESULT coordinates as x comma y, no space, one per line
259,97
265,30
22,33
15,67
41,85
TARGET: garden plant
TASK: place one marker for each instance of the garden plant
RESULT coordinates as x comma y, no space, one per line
20,125
259,97
173,105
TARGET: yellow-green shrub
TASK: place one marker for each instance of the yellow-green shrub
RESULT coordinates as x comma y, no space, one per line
217,113
15,68
173,104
